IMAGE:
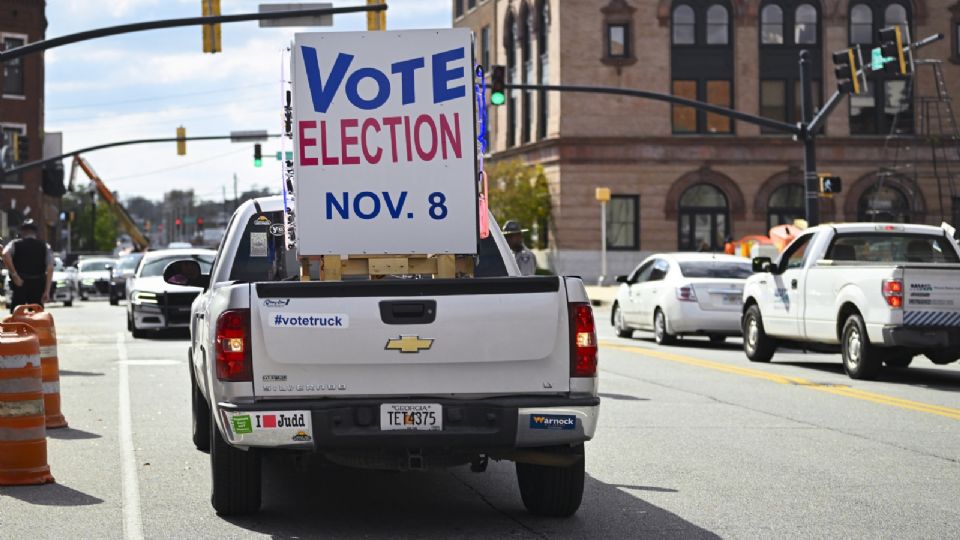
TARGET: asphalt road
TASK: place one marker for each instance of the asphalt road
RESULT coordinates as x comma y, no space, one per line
694,441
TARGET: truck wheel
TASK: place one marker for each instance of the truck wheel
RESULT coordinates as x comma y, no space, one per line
236,477
757,345
860,359
660,334
68,303
552,491
618,324
896,359
201,414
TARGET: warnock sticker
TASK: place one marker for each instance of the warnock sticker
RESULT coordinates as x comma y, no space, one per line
553,421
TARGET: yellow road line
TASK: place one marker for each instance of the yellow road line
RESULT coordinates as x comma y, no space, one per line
854,393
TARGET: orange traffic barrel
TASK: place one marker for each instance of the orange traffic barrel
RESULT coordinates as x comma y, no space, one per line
42,323
23,434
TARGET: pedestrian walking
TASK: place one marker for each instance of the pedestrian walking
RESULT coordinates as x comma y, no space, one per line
525,259
29,261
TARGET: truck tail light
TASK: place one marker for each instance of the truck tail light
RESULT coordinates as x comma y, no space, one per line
893,292
583,341
686,294
233,346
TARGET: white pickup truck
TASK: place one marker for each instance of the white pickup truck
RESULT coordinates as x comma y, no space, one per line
883,292
395,374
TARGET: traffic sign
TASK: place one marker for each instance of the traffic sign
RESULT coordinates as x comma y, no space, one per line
877,59
307,20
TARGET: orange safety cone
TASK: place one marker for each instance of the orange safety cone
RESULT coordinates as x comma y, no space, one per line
23,435
42,323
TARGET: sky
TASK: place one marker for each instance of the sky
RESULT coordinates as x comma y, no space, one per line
146,84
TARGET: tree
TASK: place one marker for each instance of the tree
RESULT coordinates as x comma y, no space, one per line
104,228
519,191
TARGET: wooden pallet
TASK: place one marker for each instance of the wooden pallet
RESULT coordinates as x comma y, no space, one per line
334,267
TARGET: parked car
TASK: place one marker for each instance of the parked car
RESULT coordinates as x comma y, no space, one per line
676,294
94,275
126,267
156,305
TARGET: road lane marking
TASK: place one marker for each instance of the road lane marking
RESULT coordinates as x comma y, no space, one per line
151,362
132,521
863,395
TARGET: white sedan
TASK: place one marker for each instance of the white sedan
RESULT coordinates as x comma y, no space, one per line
676,294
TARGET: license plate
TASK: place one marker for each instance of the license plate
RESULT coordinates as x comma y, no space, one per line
731,299
411,416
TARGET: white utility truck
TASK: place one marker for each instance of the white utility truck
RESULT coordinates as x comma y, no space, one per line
323,328
883,293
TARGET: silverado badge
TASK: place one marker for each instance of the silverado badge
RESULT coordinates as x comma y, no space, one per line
408,344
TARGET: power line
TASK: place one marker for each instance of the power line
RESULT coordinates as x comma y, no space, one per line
181,166
156,98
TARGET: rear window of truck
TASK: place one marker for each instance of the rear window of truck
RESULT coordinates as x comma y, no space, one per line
892,248
262,254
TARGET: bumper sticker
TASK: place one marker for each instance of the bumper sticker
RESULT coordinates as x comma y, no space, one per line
553,421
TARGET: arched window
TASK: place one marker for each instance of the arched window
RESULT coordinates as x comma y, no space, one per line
861,24
718,25
780,92
701,64
771,25
704,219
887,105
786,204
510,51
805,25
543,33
684,25
883,203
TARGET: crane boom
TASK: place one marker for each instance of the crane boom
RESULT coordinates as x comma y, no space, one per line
136,235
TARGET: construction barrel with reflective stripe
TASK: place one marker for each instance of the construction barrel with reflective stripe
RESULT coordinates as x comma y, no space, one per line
23,434
42,323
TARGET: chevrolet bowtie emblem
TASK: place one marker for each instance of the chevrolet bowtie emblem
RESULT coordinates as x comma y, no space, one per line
408,344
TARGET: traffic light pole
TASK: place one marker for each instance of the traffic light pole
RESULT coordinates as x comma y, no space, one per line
810,180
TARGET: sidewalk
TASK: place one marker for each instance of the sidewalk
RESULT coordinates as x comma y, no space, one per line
601,296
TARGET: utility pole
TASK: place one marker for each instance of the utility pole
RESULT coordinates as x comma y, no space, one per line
810,180
236,203
224,190
93,221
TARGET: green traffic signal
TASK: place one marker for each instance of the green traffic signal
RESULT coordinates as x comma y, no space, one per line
257,162
257,155
497,98
498,85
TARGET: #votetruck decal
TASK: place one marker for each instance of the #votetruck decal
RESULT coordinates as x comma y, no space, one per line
385,142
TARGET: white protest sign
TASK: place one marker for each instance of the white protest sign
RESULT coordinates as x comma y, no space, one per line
385,142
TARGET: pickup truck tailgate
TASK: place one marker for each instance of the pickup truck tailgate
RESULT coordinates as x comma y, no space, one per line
931,295
426,337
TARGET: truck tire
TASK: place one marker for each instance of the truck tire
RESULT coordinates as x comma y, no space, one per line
660,333
861,360
757,345
201,414
552,491
618,324
236,477
68,303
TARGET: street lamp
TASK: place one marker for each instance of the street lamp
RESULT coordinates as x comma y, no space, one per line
603,195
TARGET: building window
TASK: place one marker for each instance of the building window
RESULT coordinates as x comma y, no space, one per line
771,25
888,107
458,8
13,69
684,25
883,203
861,25
471,4
718,25
786,204
704,219
780,96
623,222
8,134
543,35
701,64
617,35
956,212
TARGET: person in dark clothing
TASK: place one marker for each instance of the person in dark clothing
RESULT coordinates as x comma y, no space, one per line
30,263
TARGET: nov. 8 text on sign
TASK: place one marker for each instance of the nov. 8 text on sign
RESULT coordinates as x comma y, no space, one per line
385,139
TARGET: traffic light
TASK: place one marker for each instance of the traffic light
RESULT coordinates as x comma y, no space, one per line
51,182
830,184
211,32
257,155
891,46
178,222
848,63
181,141
199,222
376,20
21,147
497,82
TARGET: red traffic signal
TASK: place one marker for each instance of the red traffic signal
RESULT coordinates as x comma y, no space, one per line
199,221
178,222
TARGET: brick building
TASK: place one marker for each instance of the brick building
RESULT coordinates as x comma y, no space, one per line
21,112
682,178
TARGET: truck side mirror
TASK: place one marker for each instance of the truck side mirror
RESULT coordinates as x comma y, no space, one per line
622,279
186,272
762,264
